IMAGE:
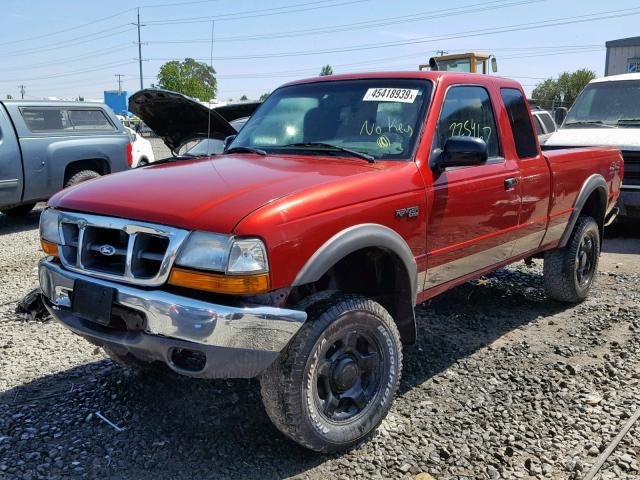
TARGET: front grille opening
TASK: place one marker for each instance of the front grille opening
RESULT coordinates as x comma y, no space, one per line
104,250
70,234
631,168
149,251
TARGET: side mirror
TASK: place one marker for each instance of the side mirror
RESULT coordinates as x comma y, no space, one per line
462,152
494,64
560,114
228,140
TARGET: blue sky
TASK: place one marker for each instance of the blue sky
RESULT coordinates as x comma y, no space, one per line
76,48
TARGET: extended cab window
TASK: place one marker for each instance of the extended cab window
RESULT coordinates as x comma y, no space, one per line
467,112
89,120
377,117
520,120
45,119
50,119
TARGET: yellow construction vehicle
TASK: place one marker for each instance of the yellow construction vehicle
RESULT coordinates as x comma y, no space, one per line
463,62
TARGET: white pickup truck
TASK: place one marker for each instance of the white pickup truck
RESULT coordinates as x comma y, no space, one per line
607,113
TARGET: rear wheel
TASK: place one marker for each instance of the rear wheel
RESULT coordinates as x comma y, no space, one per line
335,383
569,271
19,210
81,176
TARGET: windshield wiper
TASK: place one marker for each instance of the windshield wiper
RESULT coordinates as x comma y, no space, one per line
355,153
628,121
257,151
177,158
600,123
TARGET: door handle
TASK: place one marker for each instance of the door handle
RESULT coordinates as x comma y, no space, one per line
510,183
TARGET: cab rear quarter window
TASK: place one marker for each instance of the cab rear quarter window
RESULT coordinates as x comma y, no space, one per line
66,119
520,120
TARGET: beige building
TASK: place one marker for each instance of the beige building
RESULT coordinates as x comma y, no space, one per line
623,56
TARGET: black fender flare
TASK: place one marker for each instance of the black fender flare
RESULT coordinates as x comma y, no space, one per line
352,239
591,184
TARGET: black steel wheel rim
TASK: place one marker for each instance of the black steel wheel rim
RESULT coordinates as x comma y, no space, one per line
586,259
348,375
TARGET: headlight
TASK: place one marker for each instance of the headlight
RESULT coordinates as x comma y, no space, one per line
49,226
223,253
205,251
247,255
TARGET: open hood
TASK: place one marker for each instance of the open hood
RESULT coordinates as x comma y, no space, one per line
177,118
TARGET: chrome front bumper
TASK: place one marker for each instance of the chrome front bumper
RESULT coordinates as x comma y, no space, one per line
253,335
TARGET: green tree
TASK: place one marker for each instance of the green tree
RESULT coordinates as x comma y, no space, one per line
244,97
563,90
264,96
326,70
9,96
190,77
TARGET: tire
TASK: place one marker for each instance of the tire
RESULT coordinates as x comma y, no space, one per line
143,162
81,176
570,271
18,211
133,363
335,382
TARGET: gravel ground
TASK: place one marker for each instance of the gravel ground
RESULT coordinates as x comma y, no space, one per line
502,384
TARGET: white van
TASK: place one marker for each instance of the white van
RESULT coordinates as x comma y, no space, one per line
607,112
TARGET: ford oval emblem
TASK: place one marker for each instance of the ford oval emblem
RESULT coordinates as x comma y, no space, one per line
107,250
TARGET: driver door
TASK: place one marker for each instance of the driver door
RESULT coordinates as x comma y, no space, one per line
473,210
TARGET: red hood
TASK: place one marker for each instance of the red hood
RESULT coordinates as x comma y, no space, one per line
211,194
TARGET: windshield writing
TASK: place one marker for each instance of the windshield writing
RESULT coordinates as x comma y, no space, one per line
377,117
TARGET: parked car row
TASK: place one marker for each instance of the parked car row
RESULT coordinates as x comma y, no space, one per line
46,146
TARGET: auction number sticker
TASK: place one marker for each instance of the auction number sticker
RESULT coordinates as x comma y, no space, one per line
404,95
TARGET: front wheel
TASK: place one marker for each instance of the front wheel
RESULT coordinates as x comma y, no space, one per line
335,382
569,271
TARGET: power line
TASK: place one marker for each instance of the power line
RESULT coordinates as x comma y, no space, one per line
472,33
71,42
77,27
102,52
66,74
264,12
417,17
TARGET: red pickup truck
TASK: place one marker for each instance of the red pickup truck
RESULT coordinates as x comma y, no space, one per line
298,254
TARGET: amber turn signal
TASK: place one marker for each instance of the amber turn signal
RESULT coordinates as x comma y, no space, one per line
211,282
49,248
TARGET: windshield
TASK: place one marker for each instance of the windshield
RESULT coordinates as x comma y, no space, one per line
610,104
377,117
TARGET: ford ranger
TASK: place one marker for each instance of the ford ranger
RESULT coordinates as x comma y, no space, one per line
298,254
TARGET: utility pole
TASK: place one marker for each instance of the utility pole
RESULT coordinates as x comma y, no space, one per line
138,24
441,53
119,75
22,90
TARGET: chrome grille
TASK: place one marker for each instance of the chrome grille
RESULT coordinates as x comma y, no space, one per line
119,249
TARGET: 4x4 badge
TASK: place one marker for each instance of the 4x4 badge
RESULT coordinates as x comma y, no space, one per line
410,212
